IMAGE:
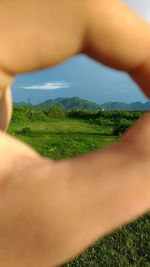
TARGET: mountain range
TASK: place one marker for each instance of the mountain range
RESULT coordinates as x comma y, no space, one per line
76,103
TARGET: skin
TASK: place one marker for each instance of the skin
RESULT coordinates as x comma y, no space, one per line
51,211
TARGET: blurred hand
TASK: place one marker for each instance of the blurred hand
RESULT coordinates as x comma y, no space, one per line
51,211
36,36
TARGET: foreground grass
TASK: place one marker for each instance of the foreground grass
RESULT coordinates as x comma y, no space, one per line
55,138
63,138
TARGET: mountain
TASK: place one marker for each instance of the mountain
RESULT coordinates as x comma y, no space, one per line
146,106
136,106
76,103
116,106
16,104
49,104
73,103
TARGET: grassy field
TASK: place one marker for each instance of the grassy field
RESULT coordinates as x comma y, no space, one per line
68,137
63,138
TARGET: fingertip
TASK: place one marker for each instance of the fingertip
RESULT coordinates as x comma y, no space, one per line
138,137
141,75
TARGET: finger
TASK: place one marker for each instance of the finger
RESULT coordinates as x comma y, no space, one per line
5,109
141,75
138,138
119,38
36,36
120,192
116,35
5,99
10,146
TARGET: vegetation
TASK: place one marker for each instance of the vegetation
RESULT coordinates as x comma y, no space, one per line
59,134
122,127
76,103
26,131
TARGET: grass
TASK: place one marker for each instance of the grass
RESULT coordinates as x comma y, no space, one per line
62,138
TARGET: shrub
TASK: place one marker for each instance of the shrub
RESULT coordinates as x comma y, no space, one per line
22,113
56,112
26,131
36,115
122,127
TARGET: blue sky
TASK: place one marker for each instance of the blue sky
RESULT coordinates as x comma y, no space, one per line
81,77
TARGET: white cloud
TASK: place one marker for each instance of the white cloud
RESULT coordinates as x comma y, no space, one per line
47,86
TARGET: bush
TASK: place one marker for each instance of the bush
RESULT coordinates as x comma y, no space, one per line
26,131
22,113
122,127
56,112
36,115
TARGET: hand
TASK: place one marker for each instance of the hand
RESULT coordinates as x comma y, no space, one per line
37,36
21,179
33,39
52,211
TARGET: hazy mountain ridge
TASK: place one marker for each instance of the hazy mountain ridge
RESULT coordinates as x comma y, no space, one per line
73,103
76,103
135,106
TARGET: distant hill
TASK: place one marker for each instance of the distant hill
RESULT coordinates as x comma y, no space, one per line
21,104
73,103
49,104
115,106
136,106
76,103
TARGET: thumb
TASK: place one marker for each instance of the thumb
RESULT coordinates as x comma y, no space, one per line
5,108
11,146
5,99
138,137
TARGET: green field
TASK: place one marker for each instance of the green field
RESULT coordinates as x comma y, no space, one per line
63,138
60,138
